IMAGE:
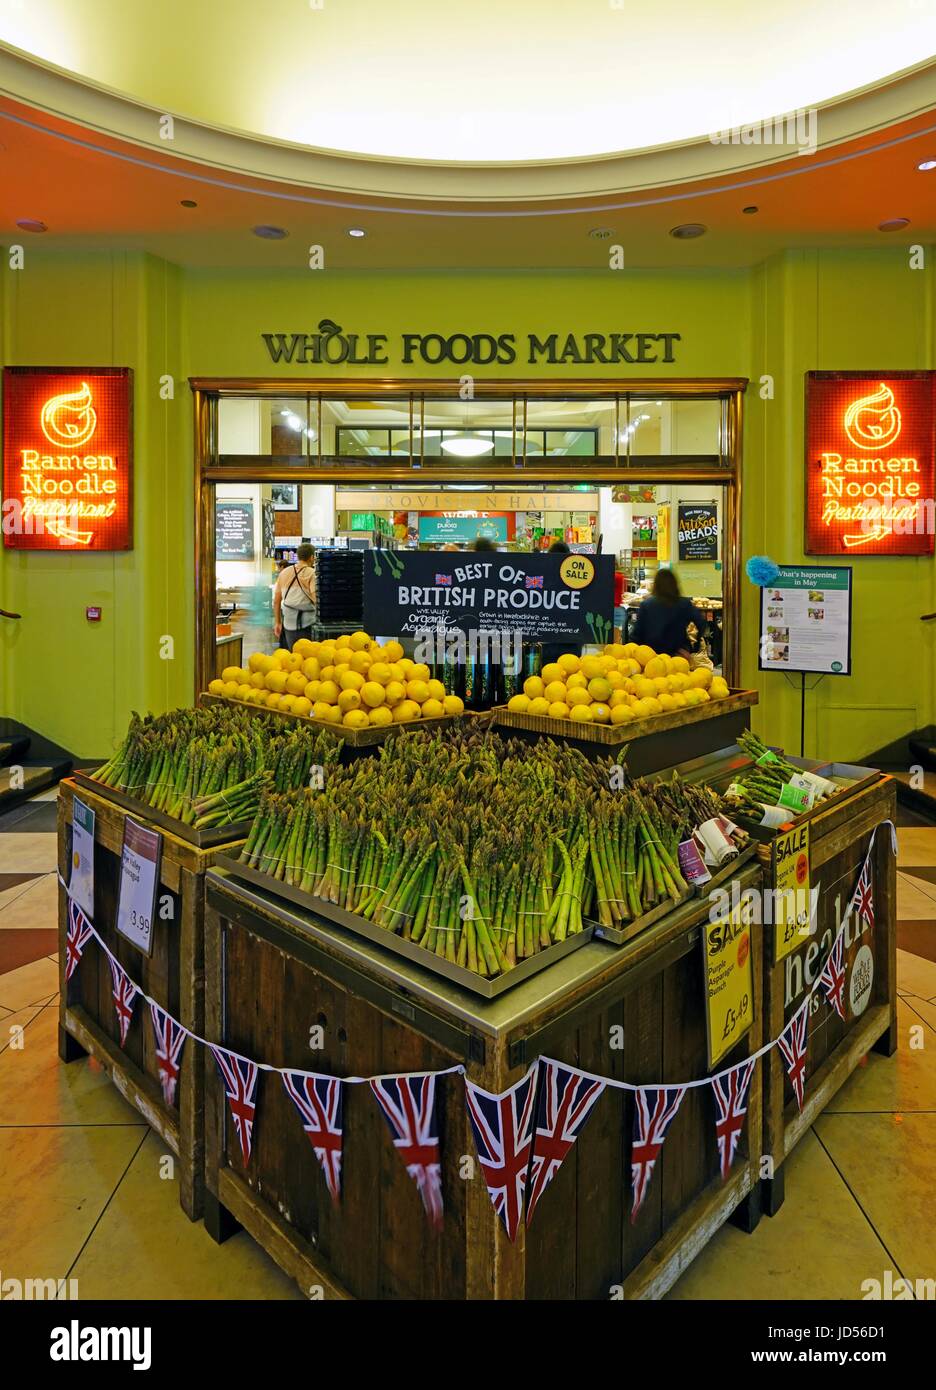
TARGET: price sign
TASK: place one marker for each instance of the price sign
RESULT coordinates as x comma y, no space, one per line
792,896
139,876
81,879
729,980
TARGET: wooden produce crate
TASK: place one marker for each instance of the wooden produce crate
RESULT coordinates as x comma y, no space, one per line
173,976
839,835
273,972
354,738
653,743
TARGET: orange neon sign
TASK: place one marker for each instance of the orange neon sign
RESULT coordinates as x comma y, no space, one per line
870,463
67,459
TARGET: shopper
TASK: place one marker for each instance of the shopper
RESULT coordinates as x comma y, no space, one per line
294,599
483,543
664,617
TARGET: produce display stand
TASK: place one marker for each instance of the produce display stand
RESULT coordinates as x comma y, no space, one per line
653,743
839,836
173,975
274,972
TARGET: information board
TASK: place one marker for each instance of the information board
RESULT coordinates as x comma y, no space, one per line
697,530
461,530
806,620
543,597
234,530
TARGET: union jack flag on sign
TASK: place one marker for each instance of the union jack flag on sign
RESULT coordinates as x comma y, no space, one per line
443,579
792,1043
832,978
76,939
863,898
319,1102
731,1089
170,1039
534,581
408,1102
125,993
655,1109
502,1126
566,1097
240,1086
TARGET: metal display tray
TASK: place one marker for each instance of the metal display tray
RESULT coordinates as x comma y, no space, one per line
350,921
619,936
201,839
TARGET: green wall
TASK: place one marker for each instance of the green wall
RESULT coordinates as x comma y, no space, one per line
77,683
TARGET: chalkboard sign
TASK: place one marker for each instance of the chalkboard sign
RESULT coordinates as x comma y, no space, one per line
234,530
697,530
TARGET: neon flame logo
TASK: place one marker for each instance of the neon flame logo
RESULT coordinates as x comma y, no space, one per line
70,419
873,422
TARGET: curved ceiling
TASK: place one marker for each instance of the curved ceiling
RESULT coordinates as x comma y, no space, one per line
492,81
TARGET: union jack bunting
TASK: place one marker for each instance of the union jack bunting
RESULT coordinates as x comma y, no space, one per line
655,1109
240,1086
832,978
731,1089
792,1043
863,898
408,1103
502,1126
566,1097
319,1100
125,993
76,938
170,1039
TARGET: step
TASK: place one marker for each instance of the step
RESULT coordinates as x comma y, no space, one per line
36,778
13,749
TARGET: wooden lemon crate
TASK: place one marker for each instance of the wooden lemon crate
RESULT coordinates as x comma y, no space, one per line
616,735
354,738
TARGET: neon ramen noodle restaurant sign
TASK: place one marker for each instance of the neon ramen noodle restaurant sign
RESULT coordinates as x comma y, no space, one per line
870,452
67,458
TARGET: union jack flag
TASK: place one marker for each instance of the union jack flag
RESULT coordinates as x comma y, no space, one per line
534,581
566,1097
319,1100
240,1086
125,993
408,1102
170,1039
655,1109
731,1089
76,938
502,1126
792,1043
443,579
832,978
863,898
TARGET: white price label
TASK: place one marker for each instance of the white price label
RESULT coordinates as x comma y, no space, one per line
81,878
139,875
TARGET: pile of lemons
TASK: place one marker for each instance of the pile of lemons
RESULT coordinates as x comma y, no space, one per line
625,683
349,680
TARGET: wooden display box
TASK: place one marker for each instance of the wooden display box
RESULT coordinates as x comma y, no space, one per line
355,738
173,976
616,735
839,838
274,972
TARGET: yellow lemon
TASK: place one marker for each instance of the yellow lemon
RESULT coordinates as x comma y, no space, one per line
718,690
303,648
629,648
380,672
343,641
578,696
552,672
288,704
667,701
678,682
580,714
590,666
326,652
539,705
311,691
320,709
373,694
359,641
393,651
519,704
600,713
407,667
555,690
655,667
333,715
432,709
405,712
275,681
640,709
356,719
292,661
436,690
643,688
421,672
653,704
245,691
453,704
643,654
349,699
255,663
569,663
340,668
381,716
615,680
622,714
558,709
599,688
397,673
701,678
296,683
681,664
273,700
302,706
693,695
361,662
618,698
533,686
350,680
216,687
661,684
577,681
231,673
328,691
394,692
679,700
327,673
258,680
703,695
417,690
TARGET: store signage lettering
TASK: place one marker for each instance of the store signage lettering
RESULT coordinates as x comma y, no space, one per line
697,530
870,464
331,346
803,968
67,467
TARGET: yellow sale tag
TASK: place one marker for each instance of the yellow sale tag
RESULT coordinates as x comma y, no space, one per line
729,983
792,890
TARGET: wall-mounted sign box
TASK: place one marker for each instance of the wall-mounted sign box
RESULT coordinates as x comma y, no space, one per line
870,463
67,458
234,530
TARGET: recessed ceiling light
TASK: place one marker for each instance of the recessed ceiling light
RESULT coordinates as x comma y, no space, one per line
751,209
31,224
270,233
356,232
188,203
601,233
926,165
688,230
894,224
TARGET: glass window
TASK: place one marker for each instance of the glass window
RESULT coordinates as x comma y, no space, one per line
690,428
563,428
282,427
359,428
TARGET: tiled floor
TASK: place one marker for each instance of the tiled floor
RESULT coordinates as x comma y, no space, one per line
87,1192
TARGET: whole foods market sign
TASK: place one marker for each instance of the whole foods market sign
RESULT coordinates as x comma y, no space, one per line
330,345
67,460
541,597
870,463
